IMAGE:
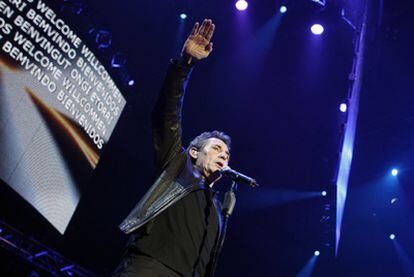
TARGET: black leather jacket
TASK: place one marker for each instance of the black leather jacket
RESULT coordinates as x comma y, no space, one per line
171,158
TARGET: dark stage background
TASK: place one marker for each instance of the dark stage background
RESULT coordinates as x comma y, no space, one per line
276,89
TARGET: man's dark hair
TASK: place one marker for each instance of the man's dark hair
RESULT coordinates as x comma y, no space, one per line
199,141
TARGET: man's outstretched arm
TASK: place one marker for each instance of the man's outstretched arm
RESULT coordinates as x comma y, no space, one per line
166,116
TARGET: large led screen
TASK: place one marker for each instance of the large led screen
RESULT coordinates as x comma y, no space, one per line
58,108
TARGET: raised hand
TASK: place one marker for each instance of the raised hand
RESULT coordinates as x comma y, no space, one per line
198,45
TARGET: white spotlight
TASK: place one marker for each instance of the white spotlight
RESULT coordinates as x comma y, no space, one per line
324,193
392,237
394,172
317,253
241,5
317,29
283,9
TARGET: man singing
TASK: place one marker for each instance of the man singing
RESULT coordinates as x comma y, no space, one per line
174,229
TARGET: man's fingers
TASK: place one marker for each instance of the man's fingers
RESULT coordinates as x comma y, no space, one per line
195,29
210,32
209,47
203,27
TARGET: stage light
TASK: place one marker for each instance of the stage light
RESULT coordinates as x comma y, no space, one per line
317,29
343,107
103,39
78,8
242,5
317,253
283,9
67,268
394,172
183,16
131,82
41,253
394,200
320,2
324,193
392,237
118,60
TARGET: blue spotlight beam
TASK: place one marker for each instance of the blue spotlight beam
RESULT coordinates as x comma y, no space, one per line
267,197
406,262
261,41
180,36
307,270
349,134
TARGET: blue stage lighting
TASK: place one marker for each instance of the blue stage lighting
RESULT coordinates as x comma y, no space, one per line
41,253
394,172
78,8
67,268
317,29
392,236
118,60
103,39
131,82
183,16
394,200
283,9
241,5
343,107
324,193
317,253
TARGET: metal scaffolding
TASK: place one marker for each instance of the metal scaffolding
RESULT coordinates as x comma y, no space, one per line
38,254
348,139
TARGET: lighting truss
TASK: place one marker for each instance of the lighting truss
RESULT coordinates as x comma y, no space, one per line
38,254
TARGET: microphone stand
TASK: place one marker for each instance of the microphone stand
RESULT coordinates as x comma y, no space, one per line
227,209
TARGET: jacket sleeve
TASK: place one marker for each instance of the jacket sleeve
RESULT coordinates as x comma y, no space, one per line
166,115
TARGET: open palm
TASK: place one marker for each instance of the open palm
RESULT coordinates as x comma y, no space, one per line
198,45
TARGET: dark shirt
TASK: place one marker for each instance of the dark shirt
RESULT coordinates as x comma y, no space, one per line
184,235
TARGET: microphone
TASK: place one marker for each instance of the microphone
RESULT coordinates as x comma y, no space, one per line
238,177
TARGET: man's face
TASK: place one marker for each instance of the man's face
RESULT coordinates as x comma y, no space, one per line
212,157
